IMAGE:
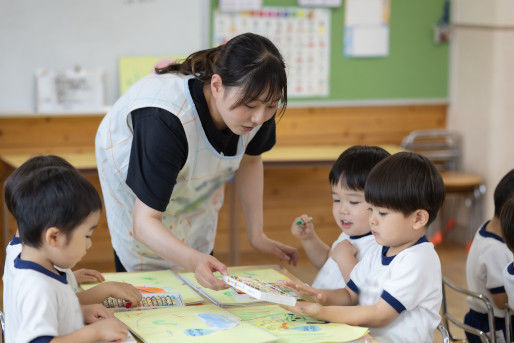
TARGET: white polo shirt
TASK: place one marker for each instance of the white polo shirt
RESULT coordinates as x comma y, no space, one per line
329,276
487,259
410,282
39,304
508,277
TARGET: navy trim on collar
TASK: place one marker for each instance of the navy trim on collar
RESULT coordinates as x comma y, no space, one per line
360,236
386,260
510,269
484,233
23,264
15,240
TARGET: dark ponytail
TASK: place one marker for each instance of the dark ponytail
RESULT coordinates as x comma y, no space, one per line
247,60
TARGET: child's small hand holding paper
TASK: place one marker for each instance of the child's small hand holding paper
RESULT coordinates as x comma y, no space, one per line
304,308
306,292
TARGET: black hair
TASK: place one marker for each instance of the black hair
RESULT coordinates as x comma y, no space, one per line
248,60
507,222
406,182
354,164
52,197
503,191
24,171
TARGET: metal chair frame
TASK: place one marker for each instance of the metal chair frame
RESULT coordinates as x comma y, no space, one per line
484,336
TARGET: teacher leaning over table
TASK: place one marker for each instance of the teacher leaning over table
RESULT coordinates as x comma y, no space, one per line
169,144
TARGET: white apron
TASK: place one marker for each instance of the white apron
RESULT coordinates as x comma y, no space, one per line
192,212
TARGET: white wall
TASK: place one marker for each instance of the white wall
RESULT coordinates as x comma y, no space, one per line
482,87
92,33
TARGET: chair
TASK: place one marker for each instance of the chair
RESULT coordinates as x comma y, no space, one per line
2,323
445,336
484,336
444,149
508,314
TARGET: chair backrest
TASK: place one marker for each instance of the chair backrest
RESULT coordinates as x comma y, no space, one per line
442,147
508,323
484,336
445,336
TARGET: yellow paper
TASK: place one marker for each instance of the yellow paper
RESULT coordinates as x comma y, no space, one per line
203,323
134,68
229,297
292,328
159,281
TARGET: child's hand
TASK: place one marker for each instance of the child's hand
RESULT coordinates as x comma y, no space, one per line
344,252
304,309
95,312
304,230
88,275
122,290
109,330
305,291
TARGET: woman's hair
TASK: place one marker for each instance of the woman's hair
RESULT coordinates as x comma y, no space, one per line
406,182
354,164
248,60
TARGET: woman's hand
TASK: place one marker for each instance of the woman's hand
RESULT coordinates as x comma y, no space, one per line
204,266
270,246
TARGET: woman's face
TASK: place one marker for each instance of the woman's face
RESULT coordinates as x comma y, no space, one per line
242,119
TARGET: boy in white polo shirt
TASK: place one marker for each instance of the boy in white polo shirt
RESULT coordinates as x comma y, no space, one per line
56,212
396,288
347,179
487,258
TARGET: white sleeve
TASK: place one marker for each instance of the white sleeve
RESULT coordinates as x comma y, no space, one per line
415,277
495,261
38,312
359,272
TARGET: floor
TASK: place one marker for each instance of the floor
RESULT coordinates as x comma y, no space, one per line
453,260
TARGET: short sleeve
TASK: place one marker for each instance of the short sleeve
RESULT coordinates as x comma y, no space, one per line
264,139
359,272
414,278
495,261
158,153
39,315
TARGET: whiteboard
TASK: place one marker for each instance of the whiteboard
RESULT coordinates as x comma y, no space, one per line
91,34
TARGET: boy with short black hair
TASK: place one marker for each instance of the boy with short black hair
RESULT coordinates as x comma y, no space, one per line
347,179
487,259
56,212
396,288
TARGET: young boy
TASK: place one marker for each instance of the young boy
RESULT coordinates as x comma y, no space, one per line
56,211
95,294
396,288
347,179
507,224
487,258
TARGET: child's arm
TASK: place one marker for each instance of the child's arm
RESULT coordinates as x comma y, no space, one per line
338,297
106,330
88,275
500,299
345,255
317,251
118,290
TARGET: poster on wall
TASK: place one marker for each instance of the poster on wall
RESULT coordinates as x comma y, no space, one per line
301,34
70,90
366,28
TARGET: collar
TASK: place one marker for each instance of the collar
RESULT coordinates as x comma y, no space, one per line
23,264
484,233
360,236
15,240
386,260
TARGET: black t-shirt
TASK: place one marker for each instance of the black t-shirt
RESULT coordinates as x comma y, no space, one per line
159,147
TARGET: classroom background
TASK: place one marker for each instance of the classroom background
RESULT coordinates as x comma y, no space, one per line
375,72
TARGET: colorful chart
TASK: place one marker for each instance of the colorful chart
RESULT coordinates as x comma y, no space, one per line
292,328
204,323
159,281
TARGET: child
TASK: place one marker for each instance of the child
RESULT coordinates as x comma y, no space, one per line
507,224
347,178
487,258
397,285
95,294
56,210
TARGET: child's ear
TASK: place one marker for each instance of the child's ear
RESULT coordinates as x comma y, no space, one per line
53,236
420,219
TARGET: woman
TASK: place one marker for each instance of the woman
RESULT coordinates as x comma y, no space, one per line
170,143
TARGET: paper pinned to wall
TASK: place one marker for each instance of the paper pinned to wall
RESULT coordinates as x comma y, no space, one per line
239,5
320,3
366,28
